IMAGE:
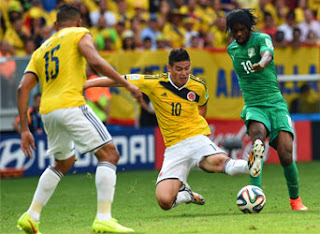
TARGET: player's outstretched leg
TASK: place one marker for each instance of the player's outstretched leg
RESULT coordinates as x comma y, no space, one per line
27,224
110,225
186,195
256,157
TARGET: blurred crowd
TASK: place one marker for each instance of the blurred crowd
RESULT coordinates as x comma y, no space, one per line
157,24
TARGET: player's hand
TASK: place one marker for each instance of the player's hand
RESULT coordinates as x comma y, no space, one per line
27,142
257,67
135,91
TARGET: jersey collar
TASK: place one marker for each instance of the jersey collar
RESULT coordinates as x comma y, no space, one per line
178,88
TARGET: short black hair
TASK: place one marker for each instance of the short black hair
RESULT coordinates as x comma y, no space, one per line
241,16
178,55
67,12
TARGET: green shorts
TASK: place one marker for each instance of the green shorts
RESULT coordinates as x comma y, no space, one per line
273,114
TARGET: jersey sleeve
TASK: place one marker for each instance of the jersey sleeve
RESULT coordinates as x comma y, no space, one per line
80,32
204,96
265,43
31,67
140,81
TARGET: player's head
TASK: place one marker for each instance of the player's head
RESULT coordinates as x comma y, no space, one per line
68,16
179,66
240,23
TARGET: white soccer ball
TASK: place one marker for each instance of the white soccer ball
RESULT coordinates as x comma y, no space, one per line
251,199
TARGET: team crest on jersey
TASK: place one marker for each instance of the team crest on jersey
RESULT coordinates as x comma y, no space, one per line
251,52
191,96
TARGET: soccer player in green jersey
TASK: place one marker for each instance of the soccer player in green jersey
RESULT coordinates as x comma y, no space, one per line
179,99
265,112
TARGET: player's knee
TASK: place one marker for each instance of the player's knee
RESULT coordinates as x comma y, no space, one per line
165,202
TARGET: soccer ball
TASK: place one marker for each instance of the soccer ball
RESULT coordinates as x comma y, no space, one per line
251,199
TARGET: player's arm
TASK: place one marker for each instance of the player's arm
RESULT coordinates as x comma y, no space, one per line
93,58
203,110
28,82
101,82
266,58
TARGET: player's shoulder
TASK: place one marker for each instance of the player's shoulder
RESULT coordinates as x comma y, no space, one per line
163,76
71,30
232,45
261,35
198,80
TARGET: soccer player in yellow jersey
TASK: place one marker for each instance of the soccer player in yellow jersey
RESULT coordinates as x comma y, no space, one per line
59,66
179,100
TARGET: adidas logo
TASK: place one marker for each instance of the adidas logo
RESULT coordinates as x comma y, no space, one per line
164,94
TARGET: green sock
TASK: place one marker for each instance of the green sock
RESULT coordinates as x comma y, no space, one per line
292,177
257,180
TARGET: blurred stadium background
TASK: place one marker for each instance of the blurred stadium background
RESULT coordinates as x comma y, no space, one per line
135,36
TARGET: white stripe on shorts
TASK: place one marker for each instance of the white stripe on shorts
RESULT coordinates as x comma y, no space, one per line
100,129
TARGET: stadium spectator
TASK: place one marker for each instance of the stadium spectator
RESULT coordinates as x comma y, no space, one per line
261,7
287,28
30,46
269,26
146,44
109,16
306,102
128,42
122,12
309,25
279,40
296,42
265,111
188,23
162,42
34,117
179,100
282,10
299,10
174,30
220,38
17,34
67,119
151,30
311,39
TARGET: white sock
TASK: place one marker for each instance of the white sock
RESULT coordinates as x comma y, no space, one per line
236,167
105,184
46,186
182,197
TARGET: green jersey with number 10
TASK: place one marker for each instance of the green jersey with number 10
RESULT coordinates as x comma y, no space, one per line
256,86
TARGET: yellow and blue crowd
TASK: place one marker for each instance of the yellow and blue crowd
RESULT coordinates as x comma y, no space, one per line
128,25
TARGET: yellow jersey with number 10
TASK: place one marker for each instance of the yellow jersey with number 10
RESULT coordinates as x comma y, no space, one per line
176,108
60,69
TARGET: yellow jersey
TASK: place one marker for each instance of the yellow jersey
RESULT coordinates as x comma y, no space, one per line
176,108
60,69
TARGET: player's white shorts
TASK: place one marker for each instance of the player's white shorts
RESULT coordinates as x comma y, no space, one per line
180,158
75,126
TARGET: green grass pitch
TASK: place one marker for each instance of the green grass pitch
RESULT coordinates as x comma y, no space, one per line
73,205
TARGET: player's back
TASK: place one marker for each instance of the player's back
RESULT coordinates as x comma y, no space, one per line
60,69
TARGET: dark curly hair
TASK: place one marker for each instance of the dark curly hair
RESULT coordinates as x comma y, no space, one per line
241,16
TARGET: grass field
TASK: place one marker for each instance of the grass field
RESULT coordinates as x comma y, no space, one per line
73,205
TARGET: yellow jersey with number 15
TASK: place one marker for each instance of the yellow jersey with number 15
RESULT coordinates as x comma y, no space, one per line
60,69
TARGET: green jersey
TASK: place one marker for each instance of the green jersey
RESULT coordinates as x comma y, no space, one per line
256,86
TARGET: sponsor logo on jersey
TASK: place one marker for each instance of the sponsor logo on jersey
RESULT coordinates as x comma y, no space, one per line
251,52
133,77
191,96
164,94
